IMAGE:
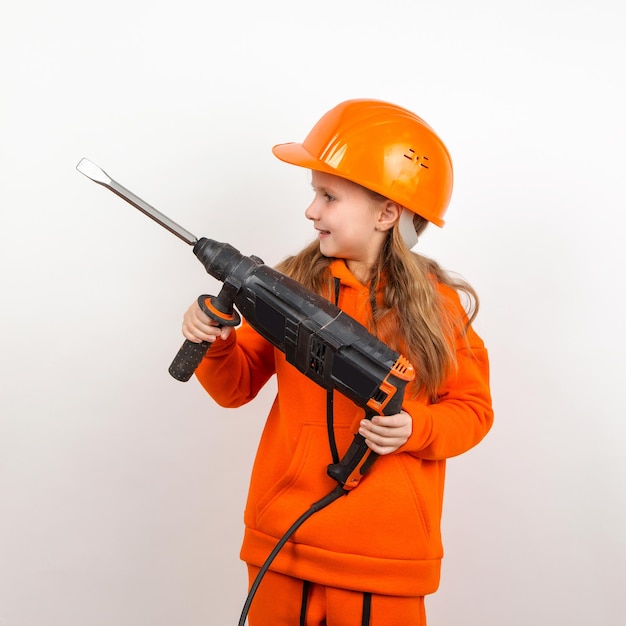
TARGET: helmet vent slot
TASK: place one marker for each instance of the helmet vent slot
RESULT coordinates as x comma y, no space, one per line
411,155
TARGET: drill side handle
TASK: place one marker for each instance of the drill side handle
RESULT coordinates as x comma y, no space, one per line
190,354
187,360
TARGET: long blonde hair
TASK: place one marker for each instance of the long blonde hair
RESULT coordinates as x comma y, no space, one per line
414,318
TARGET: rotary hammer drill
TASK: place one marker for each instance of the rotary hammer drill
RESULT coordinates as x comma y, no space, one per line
321,341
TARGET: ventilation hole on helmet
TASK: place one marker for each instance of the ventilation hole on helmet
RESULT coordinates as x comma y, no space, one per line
412,156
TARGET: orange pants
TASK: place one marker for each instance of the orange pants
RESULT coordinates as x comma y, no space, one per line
284,601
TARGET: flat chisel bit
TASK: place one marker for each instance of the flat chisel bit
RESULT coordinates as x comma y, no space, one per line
98,175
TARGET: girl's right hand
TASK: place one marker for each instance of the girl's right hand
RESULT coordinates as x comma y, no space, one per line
198,326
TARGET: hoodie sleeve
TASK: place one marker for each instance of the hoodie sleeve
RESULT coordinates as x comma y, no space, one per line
462,414
234,370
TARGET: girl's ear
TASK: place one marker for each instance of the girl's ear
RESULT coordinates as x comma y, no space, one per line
388,215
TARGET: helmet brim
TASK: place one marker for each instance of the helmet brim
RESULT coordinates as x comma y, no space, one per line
297,154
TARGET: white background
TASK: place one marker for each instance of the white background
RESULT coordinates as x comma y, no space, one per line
122,490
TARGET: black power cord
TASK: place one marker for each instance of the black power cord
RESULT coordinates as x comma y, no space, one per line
335,494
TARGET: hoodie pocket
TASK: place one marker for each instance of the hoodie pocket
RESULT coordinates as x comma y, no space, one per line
303,482
421,506
386,517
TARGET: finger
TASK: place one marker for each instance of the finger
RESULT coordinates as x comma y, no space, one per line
381,449
392,421
198,332
382,439
385,431
198,336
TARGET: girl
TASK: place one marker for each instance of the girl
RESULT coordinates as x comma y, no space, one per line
380,175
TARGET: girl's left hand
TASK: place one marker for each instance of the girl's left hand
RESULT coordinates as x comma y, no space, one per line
384,434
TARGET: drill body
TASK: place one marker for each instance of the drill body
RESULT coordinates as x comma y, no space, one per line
321,341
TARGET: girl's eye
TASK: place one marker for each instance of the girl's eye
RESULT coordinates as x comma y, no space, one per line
324,194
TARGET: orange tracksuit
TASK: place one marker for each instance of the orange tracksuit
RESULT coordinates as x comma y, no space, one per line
384,536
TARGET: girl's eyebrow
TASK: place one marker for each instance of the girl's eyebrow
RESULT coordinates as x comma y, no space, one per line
324,189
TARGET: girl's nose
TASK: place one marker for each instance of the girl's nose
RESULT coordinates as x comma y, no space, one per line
311,212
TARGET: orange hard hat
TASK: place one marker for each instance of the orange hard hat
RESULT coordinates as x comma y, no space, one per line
382,147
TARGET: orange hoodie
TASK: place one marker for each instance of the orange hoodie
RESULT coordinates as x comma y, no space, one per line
384,536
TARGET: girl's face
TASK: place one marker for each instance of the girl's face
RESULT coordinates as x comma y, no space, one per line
350,222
